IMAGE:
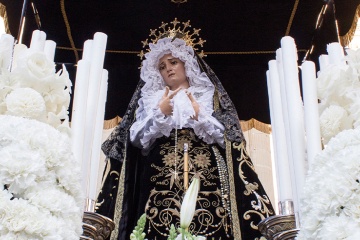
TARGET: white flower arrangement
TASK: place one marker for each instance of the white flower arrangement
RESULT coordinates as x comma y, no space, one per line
339,87
330,208
33,85
40,195
330,205
42,198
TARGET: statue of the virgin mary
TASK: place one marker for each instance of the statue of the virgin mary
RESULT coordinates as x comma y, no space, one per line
178,100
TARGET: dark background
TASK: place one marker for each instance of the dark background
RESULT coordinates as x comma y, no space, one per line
236,33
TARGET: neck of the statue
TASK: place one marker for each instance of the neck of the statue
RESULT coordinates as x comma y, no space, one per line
185,85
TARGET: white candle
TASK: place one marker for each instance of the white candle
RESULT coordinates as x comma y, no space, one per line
336,54
97,139
19,51
96,69
274,151
279,64
312,122
49,49
278,127
7,46
295,114
87,50
323,61
38,41
78,117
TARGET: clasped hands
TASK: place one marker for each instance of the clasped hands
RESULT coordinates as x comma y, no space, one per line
166,105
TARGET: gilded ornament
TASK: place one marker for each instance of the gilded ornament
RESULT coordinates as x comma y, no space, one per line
175,29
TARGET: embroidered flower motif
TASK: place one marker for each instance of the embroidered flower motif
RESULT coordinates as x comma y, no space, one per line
181,142
169,159
202,160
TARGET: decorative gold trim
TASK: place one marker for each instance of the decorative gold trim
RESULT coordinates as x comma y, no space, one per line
103,225
89,231
108,124
273,226
233,203
346,39
253,123
291,18
68,29
3,14
119,200
175,29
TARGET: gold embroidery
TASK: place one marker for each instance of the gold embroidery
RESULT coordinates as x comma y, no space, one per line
119,200
234,209
163,205
260,204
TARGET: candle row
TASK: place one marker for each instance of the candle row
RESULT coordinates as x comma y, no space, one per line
296,128
88,111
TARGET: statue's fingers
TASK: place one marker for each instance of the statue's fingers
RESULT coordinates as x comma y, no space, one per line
174,93
166,91
191,97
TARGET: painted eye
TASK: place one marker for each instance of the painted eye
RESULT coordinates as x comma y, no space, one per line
174,62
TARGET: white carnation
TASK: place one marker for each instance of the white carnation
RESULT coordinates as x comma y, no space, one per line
333,120
37,161
20,166
25,102
330,208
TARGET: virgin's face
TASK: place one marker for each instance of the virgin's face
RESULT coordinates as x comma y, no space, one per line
173,72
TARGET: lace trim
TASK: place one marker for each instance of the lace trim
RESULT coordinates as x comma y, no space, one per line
151,123
178,48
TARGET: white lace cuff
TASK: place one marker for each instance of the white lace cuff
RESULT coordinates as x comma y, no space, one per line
209,129
155,125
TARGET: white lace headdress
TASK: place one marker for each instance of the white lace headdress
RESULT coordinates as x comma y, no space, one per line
150,73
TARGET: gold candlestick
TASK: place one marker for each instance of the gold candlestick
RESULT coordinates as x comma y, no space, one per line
186,166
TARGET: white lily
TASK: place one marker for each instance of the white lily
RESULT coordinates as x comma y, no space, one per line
188,205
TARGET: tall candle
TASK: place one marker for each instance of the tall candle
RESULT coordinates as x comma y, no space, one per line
295,114
336,54
284,176
96,144
49,49
284,107
19,51
7,45
273,136
78,117
38,39
312,122
323,61
87,50
96,69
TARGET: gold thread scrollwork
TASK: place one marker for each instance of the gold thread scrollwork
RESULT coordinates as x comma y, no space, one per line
259,205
